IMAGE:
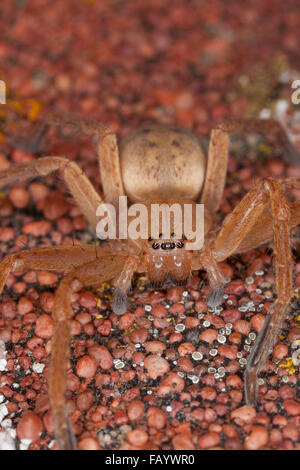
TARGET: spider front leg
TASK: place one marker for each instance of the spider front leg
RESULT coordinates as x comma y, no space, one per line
237,227
108,153
218,153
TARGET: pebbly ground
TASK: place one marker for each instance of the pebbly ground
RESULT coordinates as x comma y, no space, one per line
168,374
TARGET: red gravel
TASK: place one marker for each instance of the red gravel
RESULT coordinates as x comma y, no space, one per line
156,366
159,377
86,367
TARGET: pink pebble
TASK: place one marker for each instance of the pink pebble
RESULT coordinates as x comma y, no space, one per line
30,426
86,367
24,306
245,414
156,418
136,410
242,326
126,321
183,441
258,438
292,407
137,437
37,228
102,355
87,299
44,326
155,347
19,197
209,440
159,311
88,443
156,366
46,278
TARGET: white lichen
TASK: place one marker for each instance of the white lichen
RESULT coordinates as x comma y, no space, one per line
7,441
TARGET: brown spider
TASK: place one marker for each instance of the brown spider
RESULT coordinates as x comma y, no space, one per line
165,164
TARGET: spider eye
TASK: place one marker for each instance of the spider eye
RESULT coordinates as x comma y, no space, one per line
168,246
184,237
155,245
150,239
180,244
173,235
160,235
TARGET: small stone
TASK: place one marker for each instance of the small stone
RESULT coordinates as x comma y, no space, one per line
86,367
38,191
64,225
235,337
88,443
244,414
175,338
292,407
24,306
208,393
104,328
175,293
257,322
185,364
156,417
228,351
156,366
44,326
37,229
126,321
6,234
209,335
242,326
139,335
186,348
171,384
231,316
155,347
208,440
8,309
235,287
159,311
19,197
290,431
136,410
258,438
85,400
183,441
55,208
87,299
46,278
234,381
287,392
102,356
30,426
280,351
